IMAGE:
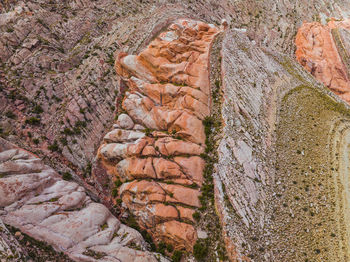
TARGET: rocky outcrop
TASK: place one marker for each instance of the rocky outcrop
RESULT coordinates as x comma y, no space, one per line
323,51
155,147
38,202
56,72
58,90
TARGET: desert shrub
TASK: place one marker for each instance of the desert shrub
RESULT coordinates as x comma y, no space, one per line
196,216
200,250
176,256
37,109
67,176
53,147
32,121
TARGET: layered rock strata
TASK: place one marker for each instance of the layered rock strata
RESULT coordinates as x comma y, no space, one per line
155,147
35,200
324,51
281,177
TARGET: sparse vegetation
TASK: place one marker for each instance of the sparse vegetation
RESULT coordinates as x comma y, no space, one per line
32,121
196,215
200,250
67,176
37,109
177,255
54,147
10,114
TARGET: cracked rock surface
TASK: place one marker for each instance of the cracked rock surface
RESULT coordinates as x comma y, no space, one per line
168,94
38,202
324,51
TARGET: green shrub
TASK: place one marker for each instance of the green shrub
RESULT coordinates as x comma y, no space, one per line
63,141
118,183
200,250
32,121
115,192
67,176
208,122
77,130
54,147
170,248
177,256
148,131
196,216
104,226
68,131
10,114
161,247
147,237
38,109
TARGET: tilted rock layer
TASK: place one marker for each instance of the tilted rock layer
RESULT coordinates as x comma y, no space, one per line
35,199
155,146
324,51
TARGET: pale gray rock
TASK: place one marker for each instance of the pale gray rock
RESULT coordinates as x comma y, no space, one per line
36,200
139,127
121,135
125,122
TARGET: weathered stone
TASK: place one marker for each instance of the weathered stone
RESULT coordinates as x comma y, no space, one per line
168,93
124,121
319,50
181,235
38,202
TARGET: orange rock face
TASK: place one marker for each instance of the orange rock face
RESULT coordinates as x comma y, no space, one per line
318,51
168,95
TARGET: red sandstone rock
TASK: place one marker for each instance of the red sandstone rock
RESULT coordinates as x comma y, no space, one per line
193,167
168,93
170,146
181,235
317,52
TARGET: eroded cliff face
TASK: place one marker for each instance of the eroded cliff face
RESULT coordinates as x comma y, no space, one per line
324,51
155,147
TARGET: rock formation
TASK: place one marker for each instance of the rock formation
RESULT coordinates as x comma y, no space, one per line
155,146
37,201
271,160
274,182
324,51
